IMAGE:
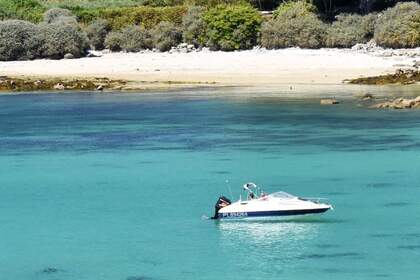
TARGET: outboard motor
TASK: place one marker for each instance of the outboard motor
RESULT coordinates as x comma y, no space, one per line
223,201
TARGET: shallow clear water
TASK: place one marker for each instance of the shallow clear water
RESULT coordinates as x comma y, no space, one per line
114,186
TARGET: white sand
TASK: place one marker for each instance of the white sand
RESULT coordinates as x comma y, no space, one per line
246,68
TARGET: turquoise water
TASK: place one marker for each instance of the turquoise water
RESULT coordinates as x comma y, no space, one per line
114,186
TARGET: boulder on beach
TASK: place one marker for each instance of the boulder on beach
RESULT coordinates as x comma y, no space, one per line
68,56
59,86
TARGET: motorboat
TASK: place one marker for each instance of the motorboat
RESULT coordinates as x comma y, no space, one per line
258,204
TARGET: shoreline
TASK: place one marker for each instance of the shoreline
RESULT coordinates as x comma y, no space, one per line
252,68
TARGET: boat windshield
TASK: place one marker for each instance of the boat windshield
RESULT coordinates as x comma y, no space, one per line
283,195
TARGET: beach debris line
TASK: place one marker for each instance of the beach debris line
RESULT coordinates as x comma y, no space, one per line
29,84
400,103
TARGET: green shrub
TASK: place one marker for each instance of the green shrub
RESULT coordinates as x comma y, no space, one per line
232,27
113,41
96,32
147,17
29,10
62,38
349,30
298,8
55,14
19,40
193,26
166,35
399,27
131,39
294,25
86,16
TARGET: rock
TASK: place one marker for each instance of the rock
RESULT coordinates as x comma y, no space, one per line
183,45
400,103
370,46
100,87
68,56
366,96
49,270
329,102
138,278
59,86
94,54
399,72
190,47
183,50
358,47
387,53
416,64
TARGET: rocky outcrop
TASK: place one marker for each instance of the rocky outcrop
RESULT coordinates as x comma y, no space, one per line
372,48
31,84
401,76
400,103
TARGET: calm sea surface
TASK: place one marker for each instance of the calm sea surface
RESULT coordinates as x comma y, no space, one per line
114,187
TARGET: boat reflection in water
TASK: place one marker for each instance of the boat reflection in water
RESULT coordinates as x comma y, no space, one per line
269,232
276,243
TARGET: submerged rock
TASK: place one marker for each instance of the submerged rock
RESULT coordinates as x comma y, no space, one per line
49,270
330,101
138,278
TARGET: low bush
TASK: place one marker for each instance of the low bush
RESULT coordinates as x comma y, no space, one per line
165,36
349,30
298,8
294,25
54,14
30,10
231,27
113,41
131,39
214,3
399,27
19,40
193,26
161,3
61,38
96,32
148,17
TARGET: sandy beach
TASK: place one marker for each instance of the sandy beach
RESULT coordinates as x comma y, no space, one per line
245,68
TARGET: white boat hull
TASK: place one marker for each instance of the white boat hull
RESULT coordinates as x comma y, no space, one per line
278,205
